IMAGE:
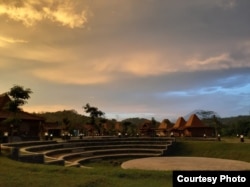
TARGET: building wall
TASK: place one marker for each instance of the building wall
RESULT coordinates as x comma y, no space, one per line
198,132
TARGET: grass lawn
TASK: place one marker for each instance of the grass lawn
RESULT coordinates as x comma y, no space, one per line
14,173
108,172
228,148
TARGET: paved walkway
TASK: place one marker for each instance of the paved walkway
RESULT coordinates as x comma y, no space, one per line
186,163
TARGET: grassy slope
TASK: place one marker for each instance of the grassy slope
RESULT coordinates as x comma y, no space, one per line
226,150
14,173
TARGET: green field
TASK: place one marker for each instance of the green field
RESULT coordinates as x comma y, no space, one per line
108,173
229,148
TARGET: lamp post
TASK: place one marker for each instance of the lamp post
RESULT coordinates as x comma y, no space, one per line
11,133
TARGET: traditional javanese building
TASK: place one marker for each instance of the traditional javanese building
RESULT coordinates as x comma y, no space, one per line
177,128
26,125
164,128
194,127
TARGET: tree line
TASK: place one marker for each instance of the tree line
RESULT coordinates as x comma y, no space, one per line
71,120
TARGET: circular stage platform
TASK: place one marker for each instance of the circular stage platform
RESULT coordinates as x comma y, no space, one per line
186,163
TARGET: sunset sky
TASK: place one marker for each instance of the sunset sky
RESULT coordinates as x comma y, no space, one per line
129,58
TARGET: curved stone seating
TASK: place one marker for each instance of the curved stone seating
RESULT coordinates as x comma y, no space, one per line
81,161
81,157
76,152
13,151
62,151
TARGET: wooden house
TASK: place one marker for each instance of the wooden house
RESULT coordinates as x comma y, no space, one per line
146,128
177,129
52,128
195,128
26,126
164,128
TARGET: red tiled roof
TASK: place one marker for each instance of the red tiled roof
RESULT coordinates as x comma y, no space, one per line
194,122
179,123
21,115
165,124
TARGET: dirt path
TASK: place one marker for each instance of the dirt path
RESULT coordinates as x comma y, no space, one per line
186,163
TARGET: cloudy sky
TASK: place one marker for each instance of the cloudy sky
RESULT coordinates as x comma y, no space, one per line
143,58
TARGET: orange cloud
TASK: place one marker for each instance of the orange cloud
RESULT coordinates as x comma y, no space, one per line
45,108
4,41
29,12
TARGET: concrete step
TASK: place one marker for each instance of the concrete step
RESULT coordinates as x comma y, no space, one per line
81,161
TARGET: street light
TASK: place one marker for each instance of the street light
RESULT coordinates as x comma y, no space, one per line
11,132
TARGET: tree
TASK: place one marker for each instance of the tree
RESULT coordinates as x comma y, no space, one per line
217,125
130,128
94,114
66,123
126,125
154,123
19,97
